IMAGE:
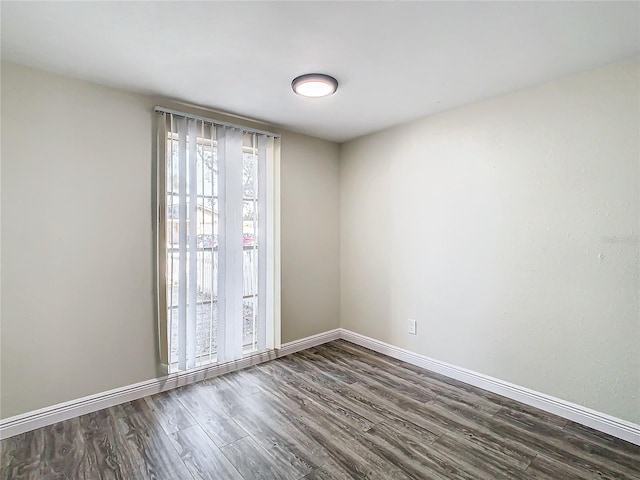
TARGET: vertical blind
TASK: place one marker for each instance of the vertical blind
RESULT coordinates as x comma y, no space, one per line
215,240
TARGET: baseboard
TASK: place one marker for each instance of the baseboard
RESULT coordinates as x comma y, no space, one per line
605,423
308,342
63,411
577,413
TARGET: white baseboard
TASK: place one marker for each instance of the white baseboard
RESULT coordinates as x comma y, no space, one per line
308,342
605,423
63,411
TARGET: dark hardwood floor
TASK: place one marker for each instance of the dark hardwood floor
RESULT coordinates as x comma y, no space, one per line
336,411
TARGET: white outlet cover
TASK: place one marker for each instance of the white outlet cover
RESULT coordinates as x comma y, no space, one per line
413,326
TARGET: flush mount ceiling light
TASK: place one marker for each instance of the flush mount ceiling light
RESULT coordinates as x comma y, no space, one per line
314,85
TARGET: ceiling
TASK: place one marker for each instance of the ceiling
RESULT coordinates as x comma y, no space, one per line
395,61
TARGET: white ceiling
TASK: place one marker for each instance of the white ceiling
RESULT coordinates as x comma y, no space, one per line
395,61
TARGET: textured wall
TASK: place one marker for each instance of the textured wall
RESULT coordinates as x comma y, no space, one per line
77,261
509,230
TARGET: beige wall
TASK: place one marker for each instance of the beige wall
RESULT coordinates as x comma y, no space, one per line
310,236
509,230
77,261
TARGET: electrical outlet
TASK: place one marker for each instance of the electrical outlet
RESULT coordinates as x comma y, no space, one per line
413,326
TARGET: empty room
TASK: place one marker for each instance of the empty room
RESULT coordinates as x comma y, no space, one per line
320,240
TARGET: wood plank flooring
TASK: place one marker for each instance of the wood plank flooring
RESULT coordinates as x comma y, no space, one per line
336,411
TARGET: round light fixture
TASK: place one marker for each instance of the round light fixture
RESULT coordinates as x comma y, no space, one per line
314,85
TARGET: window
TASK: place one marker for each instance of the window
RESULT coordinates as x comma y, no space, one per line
215,241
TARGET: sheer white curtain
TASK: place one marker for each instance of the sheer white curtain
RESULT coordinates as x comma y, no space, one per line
215,240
